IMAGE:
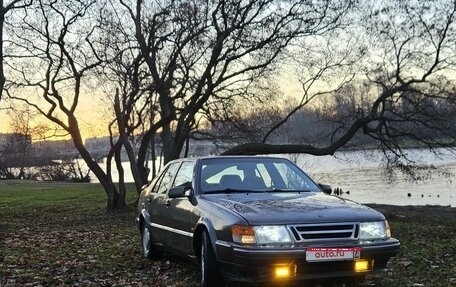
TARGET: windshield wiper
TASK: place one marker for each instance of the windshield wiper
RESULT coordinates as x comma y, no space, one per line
287,190
276,190
231,190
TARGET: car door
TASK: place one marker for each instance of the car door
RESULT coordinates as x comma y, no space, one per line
157,203
179,212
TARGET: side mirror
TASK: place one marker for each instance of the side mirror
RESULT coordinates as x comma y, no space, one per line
326,188
180,191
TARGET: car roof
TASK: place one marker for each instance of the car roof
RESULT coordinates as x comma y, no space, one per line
229,157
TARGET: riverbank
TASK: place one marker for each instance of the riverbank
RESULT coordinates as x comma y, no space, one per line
394,212
55,234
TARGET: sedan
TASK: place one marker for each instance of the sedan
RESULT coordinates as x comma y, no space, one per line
260,219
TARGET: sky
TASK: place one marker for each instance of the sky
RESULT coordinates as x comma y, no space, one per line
92,116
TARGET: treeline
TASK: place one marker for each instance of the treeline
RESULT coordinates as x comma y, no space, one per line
412,122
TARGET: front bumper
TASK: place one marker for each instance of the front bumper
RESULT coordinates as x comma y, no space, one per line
239,263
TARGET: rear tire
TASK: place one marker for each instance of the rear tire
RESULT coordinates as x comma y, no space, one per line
147,247
210,275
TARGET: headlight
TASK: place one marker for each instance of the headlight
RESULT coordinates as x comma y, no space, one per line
272,234
260,234
374,230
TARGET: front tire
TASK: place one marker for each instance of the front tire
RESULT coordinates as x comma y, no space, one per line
147,246
210,275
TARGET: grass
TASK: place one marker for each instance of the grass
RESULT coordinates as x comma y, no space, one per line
428,247
55,234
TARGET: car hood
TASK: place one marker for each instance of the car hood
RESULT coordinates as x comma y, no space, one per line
293,208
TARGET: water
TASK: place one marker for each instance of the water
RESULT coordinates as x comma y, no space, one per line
362,174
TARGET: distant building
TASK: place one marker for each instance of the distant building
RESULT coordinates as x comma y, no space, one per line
54,148
14,142
3,141
98,144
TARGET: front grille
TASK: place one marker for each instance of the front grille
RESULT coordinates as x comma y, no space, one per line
325,231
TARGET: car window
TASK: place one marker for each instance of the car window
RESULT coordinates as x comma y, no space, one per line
156,183
231,170
241,176
263,173
256,174
292,179
185,174
168,176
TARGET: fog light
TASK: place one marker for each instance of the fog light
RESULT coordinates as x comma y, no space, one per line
362,266
284,271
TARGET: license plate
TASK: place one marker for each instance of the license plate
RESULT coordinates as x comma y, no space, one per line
332,254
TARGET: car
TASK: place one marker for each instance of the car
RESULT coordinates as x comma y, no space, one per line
259,219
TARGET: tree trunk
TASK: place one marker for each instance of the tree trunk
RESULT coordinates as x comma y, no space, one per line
122,190
187,146
143,173
2,75
133,166
171,149
261,148
105,180
153,157
113,199
113,195
168,141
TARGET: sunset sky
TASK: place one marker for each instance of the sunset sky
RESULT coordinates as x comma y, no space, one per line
93,117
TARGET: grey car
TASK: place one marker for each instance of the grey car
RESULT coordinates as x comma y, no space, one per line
260,219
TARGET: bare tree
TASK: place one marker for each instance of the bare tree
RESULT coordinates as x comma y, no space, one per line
14,155
407,56
199,52
58,55
17,153
234,122
24,125
67,170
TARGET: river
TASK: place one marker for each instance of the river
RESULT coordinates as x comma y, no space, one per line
362,177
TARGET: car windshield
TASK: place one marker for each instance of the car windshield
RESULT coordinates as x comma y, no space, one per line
255,174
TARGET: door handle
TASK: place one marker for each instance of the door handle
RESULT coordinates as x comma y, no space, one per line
168,202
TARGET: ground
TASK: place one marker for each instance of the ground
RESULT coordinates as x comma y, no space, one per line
60,235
